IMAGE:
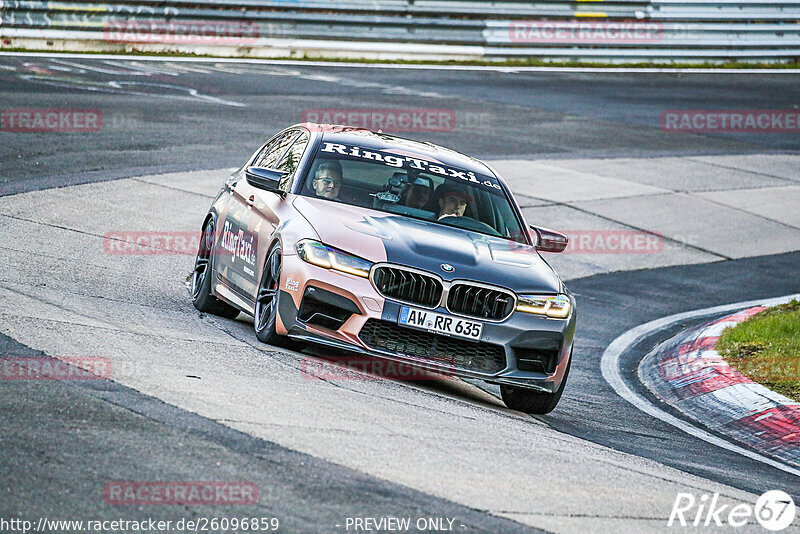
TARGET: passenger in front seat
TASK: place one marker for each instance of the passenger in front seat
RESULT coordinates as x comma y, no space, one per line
417,194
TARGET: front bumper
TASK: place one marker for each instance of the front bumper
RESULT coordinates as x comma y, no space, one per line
534,351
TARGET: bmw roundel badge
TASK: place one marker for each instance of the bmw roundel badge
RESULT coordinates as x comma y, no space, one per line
446,267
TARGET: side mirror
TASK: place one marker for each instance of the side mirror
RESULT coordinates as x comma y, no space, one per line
549,240
262,178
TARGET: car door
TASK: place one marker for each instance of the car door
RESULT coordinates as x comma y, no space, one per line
251,221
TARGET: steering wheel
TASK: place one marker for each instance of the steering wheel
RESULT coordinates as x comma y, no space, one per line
468,223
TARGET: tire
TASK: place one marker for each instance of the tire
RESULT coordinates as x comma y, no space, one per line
533,402
266,312
202,298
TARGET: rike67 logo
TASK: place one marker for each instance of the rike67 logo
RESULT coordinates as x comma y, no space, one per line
774,510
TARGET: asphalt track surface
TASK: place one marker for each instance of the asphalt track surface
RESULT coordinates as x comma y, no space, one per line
69,439
179,116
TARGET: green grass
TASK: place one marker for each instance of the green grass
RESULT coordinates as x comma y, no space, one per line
528,62
766,348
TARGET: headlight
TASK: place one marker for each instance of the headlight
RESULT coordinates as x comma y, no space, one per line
557,306
326,257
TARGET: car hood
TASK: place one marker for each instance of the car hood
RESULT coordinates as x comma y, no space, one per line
379,236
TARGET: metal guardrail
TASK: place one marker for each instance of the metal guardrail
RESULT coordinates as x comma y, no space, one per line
566,8
614,30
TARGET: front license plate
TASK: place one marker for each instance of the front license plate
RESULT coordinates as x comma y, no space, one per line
439,323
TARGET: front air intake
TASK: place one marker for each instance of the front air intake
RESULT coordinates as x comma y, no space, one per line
449,351
320,307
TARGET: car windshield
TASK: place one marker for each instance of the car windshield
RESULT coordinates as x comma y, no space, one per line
412,185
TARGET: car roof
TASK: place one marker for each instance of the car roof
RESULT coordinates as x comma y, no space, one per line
349,135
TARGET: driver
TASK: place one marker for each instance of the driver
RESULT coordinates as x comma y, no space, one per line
453,201
328,180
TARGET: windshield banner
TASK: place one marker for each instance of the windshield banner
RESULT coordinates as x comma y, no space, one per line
353,152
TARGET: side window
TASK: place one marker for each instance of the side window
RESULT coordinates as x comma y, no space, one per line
291,160
262,152
270,155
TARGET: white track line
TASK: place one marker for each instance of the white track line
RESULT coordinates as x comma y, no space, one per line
609,365
506,69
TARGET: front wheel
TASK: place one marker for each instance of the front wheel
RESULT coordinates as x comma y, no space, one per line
531,401
266,312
